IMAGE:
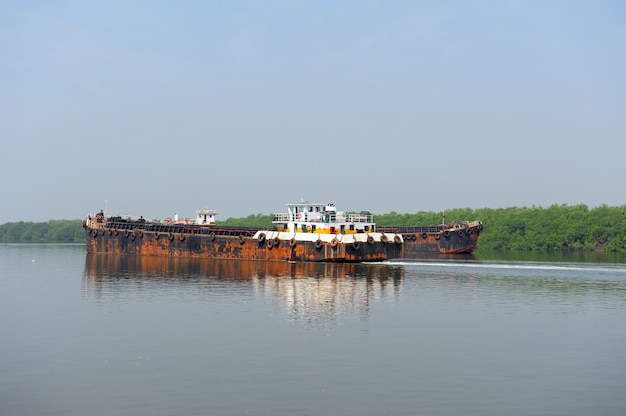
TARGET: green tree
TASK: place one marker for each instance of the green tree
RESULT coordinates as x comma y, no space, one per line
557,227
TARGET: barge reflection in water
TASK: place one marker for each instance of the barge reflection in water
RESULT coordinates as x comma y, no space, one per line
304,289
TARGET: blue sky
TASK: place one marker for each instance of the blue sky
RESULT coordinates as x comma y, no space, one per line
243,106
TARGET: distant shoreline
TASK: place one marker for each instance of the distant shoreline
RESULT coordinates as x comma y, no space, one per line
555,228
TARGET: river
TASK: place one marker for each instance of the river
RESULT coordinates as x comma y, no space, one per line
490,334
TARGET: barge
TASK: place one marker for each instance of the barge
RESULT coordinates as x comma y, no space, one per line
438,239
306,232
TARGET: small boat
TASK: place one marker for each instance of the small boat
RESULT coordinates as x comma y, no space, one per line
306,232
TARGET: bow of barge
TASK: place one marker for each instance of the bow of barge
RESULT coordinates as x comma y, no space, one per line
440,239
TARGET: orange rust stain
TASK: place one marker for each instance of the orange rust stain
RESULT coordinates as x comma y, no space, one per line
157,244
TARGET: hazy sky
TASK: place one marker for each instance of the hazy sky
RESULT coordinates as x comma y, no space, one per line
243,106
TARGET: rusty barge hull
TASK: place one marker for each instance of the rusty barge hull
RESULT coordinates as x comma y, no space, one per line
438,239
216,242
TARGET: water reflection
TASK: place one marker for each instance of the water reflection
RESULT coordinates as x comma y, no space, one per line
324,291
568,286
103,267
551,256
303,290
461,257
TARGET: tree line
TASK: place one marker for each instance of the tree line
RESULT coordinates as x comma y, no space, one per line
53,231
557,227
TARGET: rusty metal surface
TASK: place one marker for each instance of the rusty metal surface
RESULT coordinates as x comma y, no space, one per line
443,243
107,235
231,245
438,239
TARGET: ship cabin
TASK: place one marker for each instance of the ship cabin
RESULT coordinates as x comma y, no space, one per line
306,217
205,217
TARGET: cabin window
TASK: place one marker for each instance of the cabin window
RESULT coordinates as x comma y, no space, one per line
351,227
312,228
367,228
343,229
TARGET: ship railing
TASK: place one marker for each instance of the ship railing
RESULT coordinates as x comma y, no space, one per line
413,229
360,218
282,217
125,225
330,217
183,229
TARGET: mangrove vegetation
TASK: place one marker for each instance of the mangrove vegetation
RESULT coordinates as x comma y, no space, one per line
555,228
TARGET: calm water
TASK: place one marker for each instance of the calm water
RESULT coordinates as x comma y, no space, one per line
485,335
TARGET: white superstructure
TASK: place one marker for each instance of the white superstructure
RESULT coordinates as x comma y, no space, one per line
305,217
205,217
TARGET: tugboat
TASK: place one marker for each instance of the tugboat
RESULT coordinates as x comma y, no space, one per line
307,232
321,230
